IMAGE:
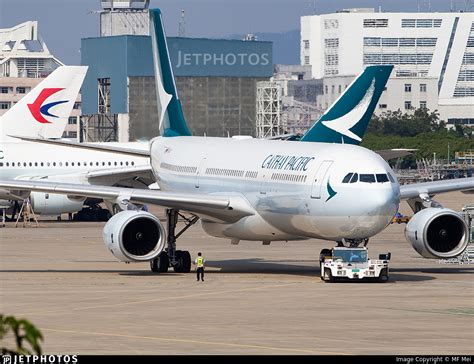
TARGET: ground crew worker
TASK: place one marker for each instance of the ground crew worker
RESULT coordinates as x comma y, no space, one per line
199,262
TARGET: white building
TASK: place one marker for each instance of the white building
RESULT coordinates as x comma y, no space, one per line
24,62
433,55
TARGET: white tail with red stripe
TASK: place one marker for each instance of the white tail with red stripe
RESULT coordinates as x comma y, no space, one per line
45,110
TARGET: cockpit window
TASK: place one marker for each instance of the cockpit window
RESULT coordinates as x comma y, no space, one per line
381,178
347,178
391,178
368,178
355,178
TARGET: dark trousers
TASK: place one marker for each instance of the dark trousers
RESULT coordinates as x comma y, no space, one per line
200,271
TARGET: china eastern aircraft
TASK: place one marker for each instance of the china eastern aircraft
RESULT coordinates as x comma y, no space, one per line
261,190
44,113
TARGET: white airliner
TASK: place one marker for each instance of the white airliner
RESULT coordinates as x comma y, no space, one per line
44,113
260,190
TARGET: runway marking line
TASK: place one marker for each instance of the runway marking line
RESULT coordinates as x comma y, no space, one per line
158,299
189,341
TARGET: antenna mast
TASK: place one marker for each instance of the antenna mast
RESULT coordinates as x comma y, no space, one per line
182,25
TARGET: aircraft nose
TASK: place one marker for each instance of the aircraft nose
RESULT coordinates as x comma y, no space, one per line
384,202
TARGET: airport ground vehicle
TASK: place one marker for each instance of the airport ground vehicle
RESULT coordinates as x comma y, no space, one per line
352,263
400,218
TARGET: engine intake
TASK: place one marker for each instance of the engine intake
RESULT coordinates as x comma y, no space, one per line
134,236
437,233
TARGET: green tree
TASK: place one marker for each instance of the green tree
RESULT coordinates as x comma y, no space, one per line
24,333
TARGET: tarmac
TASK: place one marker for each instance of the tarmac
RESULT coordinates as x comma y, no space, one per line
255,299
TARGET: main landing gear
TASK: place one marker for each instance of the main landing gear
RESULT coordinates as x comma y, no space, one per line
180,260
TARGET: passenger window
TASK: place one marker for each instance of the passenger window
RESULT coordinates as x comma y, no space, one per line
381,178
367,178
347,178
355,178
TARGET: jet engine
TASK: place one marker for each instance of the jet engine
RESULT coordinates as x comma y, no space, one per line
53,204
134,236
437,233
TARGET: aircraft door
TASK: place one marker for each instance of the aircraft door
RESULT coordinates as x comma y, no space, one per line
319,178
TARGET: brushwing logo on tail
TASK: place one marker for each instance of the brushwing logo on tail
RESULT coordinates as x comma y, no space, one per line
347,121
37,108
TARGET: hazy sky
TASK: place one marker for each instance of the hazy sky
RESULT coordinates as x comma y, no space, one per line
62,23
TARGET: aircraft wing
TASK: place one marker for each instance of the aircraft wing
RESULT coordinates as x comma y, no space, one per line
432,188
212,207
97,147
388,154
133,176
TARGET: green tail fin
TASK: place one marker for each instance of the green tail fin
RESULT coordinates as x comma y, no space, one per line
348,117
172,122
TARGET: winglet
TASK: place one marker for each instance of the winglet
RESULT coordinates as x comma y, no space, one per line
172,122
348,117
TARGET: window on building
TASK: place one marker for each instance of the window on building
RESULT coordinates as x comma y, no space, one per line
332,89
331,42
372,41
408,87
21,90
422,87
340,89
375,23
306,60
77,105
4,105
72,134
407,105
72,120
326,89
390,42
306,44
408,23
422,104
3,90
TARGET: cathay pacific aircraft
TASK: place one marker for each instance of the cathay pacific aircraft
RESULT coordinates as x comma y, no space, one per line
263,190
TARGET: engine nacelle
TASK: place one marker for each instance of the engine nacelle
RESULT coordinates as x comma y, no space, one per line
437,233
53,204
134,236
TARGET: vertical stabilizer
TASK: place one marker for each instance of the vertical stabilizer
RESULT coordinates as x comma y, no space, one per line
45,110
348,117
172,122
